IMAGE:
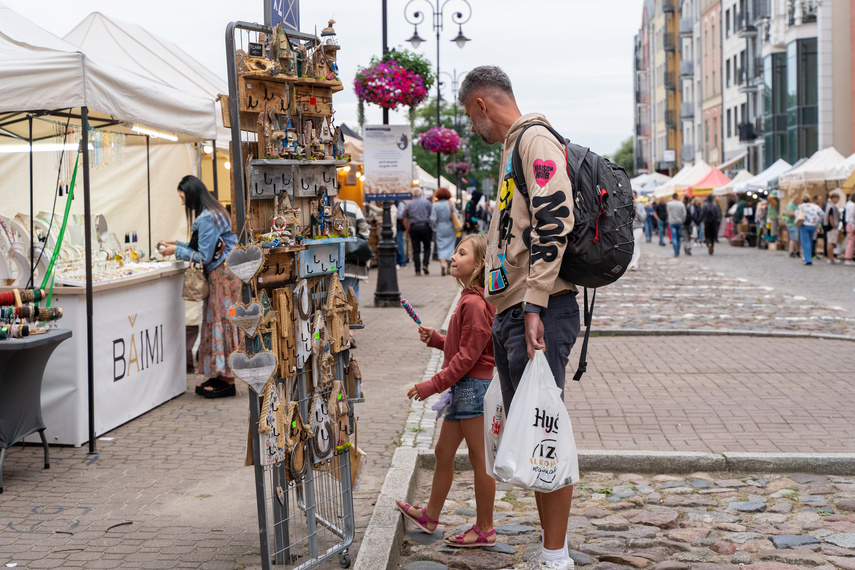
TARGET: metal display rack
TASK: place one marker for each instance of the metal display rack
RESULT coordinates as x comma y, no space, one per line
303,521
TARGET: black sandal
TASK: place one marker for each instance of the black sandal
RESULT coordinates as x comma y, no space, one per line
219,389
200,388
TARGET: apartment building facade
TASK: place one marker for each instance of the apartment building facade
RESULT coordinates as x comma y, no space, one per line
711,66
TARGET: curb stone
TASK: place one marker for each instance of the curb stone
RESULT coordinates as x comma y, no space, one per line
715,332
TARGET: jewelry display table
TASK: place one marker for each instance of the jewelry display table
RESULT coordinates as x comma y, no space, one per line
22,366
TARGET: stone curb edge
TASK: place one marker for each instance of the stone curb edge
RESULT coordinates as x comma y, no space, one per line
718,332
385,530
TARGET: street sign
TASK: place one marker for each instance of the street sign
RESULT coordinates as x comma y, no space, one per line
388,158
286,12
670,156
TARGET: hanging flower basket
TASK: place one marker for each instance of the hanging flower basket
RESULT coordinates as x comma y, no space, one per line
441,140
389,85
457,168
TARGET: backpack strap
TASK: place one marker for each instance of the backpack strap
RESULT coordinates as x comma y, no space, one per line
520,183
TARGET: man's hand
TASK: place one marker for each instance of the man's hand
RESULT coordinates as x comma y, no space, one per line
425,334
533,334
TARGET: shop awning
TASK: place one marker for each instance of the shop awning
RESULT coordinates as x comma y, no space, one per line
813,170
741,176
714,179
761,181
733,161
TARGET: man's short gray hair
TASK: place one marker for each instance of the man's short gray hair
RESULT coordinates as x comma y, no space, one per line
485,76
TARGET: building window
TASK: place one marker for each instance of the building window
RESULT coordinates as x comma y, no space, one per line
802,99
715,132
727,72
714,84
727,23
729,132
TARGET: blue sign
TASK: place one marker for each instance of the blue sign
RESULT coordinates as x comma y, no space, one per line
286,12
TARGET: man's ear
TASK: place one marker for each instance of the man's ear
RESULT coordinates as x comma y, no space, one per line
481,104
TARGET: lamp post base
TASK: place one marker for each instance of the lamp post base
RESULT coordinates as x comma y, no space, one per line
387,293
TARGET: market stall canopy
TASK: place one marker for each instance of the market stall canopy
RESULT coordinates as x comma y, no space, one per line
41,72
813,170
643,180
841,171
136,49
715,178
724,190
761,181
649,188
773,183
687,177
428,182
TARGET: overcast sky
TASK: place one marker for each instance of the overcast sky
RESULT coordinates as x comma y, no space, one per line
569,59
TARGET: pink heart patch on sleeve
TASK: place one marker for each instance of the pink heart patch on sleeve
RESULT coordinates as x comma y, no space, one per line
544,170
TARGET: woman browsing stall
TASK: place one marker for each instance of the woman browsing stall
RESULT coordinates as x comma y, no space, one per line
210,242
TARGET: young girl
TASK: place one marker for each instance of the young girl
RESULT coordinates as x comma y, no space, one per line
468,370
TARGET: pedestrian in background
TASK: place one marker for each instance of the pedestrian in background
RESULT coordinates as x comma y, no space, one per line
467,369
792,229
400,235
830,225
676,219
649,221
417,222
660,212
812,217
849,217
443,227
711,220
536,309
637,230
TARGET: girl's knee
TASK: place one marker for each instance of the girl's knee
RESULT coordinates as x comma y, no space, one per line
444,453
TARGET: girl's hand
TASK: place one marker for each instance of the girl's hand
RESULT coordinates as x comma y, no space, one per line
425,333
413,394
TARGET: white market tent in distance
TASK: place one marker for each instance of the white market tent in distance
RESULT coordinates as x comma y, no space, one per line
644,180
688,176
813,170
741,176
428,182
761,181
841,171
134,48
41,72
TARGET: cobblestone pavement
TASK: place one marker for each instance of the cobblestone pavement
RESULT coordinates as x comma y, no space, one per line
704,521
173,479
737,288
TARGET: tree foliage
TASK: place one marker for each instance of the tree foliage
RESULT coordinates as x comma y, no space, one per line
624,157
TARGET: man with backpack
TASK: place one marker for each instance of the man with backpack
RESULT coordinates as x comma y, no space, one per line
711,218
535,308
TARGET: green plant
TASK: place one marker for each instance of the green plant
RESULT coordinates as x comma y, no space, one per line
509,497
604,491
823,512
204,496
413,61
416,429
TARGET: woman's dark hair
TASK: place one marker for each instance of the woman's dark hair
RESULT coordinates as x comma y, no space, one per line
197,198
442,194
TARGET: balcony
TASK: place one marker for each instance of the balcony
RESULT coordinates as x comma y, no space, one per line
670,119
686,27
688,152
747,132
687,110
687,68
762,9
803,11
745,25
670,44
739,76
668,6
670,81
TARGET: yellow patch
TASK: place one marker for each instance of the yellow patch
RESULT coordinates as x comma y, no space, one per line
506,193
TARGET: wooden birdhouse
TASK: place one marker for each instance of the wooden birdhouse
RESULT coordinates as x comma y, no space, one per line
338,221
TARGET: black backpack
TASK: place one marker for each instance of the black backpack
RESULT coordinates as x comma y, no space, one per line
600,247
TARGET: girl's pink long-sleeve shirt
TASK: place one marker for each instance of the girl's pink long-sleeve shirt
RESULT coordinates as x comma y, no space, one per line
468,346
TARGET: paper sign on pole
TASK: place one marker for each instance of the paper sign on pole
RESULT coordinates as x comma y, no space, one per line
388,156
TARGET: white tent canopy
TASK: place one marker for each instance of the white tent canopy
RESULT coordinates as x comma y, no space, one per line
761,181
39,71
813,170
741,176
428,182
688,176
136,49
644,180
841,171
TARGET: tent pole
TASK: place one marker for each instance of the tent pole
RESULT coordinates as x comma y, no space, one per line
87,220
214,158
32,212
199,161
148,188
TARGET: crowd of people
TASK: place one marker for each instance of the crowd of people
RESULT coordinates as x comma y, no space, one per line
690,222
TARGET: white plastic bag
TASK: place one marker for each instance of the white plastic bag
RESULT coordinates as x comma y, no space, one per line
538,451
494,422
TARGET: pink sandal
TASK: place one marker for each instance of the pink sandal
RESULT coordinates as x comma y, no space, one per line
420,522
459,541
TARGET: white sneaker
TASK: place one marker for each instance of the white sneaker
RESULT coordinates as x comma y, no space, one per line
847,262
541,564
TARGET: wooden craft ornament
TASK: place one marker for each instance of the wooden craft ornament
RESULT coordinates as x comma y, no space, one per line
246,317
255,370
245,261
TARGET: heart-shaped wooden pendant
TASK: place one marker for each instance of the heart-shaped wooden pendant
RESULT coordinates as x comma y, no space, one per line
246,317
255,370
245,262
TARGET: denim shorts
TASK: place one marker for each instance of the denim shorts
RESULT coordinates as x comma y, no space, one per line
793,231
467,399
561,326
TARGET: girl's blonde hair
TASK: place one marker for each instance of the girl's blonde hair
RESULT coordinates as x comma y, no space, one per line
479,252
